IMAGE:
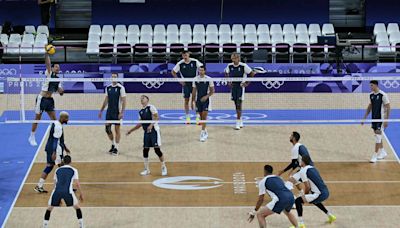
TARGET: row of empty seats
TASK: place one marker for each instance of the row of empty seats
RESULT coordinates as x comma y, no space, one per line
210,29
184,34
32,41
387,38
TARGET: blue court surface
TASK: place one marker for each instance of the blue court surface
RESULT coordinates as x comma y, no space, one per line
17,155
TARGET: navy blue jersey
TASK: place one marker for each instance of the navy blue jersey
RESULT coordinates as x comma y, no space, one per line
202,84
239,71
311,174
51,86
114,94
275,187
378,100
64,177
187,70
56,137
147,113
298,151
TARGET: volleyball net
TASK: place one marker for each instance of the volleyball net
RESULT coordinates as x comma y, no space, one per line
287,99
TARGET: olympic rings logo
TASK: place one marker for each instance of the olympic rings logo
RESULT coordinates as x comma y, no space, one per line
153,85
6,71
391,84
273,84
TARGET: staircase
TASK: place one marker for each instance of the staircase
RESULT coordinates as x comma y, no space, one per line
73,14
347,13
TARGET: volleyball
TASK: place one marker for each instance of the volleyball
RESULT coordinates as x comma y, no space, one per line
50,49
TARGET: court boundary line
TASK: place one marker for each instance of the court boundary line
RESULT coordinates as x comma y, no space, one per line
231,161
223,207
26,177
217,182
391,147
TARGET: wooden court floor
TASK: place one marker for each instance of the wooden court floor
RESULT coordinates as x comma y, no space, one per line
362,194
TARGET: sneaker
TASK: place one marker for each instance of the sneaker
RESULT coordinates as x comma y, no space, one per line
112,149
374,158
237,125
145,172
115,152
241,124
331,218
197,120
40,189
205,134
301,225
187,119
32,140
382,154
202,139
164,171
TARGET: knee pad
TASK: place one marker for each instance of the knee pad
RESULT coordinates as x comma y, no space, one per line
146,152
48,169
108,129
378,138
158,152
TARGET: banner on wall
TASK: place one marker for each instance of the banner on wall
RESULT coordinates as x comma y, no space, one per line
213,70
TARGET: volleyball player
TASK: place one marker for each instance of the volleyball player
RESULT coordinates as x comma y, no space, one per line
203,89
315,190
298,151
115,101
237,69
187,68
64,178
380,107
152,136
282,199
55,147
44,101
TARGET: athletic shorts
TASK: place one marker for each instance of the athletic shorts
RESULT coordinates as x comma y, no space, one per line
202,106
69,199
59,156
282,204
316,198
187,89
152,139
236,92
44,104
112,115
376,126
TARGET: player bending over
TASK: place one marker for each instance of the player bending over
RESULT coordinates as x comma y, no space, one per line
315,190
282,199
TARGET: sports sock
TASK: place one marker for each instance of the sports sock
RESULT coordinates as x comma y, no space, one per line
146,163
41,182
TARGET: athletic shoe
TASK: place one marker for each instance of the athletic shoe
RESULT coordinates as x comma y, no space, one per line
331,218
301,225
188,120
112,149
32,140
164,171
202,139
40,189
205,134
374,158
115,152
145,172
197,120
382,154
241,124
237,125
